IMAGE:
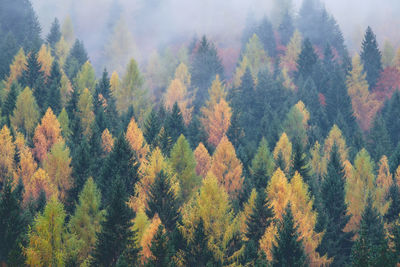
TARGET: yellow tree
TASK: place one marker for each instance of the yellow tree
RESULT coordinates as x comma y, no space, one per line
45,59
182,73
203,160
47,133
85,112
383,182
239,72
26,114
365,105
61,51
318,162
40,181
45,246
107,141
66,88
359,185
283,152
86,78
217,113
135,138
7,153
16,68
58,167
177,93
288,62
397,176
227,168
147,237
256,56
114,83
335,137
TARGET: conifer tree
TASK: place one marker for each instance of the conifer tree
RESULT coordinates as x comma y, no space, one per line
371,58
9,104
288,250
54,35
160,249
152,127
116,230
300,163
76,58
262,166
162,201
336,243
174,124
54,88
307,60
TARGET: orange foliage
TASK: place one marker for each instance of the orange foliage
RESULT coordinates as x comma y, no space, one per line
177,92
27,165
135,138
16,68
227,167
203,160
147,237
107,141
40,181
47,133
7,152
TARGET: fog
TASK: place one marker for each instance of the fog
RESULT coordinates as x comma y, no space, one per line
157,23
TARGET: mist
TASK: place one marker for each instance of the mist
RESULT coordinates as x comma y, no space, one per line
156,24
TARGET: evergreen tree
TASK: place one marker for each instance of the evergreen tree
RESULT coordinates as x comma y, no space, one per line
267,37
307,60
174,124
336,243
379,142
262,166
9,48
286,28
162,201
151,129
289,250
394,208
54,87
9,104
116,230
54,35
390,113
12,220
160,249
121,164
371,58
76,58
371,247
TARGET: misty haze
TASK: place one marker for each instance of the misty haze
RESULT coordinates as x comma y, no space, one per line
199,133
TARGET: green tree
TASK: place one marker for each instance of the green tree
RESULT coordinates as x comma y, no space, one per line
371,58
54,35
54,88
76,58
336,243
9,104
262,166
152,126
160,249
85,78
162,201
174,124
289,250
116,230
307,60
183,164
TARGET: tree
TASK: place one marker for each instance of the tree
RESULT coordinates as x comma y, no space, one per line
336,243
54,35
160,249
378,141
174,125
364,104
85,224
136,140
116,233
76,58
283,150
300,164
371,247
286,27
17,67
26,114
9,103
183,163
255,55
47,133
7,154
289,250
151,128
306,61
288,62
388,54
40,183
85,78
54,88
203,160
64,124
162,201
107,141
227,168
12,220
216,114
45,60
371,58
46,247
262,166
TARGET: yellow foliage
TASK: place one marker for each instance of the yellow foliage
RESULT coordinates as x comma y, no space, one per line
397,176
135,138
227,168
85,111
40,181
318,163
7,153
240,70
383,182
284,149
147,237
335,137
141,224
16,68
203,160
61,51
45,59
114,83
177,92
107,141
278,191
182,74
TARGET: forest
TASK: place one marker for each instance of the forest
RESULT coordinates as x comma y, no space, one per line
280,150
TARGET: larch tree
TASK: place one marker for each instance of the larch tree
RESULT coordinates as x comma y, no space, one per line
217,113
85,111
364,103
85,78
183,163
296,123
17,67
38,183
257,58
335,137
203,160
57,164
288,62
283,152
262,166
26,113
107,141
227,168
7,154
45,59
64,121
85,224
46,246
136,140
47,133
384,181
67,31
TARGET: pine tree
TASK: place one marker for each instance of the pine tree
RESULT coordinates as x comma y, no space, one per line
174,125
116,231
336,243
307,60
288,250
371,247
54,88
371,58
9,104
151,129
160,249
54,35
76,58
162,201
12,220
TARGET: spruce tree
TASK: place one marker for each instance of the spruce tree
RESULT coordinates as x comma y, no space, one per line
162,201
289,250
54,87
379,142
116,230
371,58
394,208
307,60
266,34
336,243
300,163
286,28
371,247
54,35
160,249
9,104
391,113
174,125
76,58
151,129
